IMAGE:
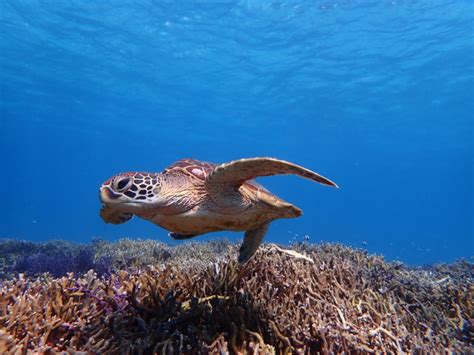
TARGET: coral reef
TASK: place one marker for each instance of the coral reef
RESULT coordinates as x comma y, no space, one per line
57,257
195,298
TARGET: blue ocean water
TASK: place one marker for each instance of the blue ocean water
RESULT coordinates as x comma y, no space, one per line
376,95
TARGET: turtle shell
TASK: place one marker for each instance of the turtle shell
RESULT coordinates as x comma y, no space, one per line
192,167
201,170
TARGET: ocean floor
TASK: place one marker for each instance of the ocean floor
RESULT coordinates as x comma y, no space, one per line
145,297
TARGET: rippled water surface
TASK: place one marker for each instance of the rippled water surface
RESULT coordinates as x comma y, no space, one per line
376,95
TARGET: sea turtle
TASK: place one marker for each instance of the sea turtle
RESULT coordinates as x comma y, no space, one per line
193,197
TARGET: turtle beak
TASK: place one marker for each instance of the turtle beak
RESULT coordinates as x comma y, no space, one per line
107,196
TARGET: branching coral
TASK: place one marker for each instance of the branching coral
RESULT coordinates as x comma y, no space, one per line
60,257
317,298
56,257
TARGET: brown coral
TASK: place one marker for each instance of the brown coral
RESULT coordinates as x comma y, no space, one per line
344,301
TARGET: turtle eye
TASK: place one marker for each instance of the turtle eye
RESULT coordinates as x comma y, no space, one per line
122,184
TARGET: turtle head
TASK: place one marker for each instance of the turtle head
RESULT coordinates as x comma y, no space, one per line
131,192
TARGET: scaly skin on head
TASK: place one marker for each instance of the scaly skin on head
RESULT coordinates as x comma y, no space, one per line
131,189
125,194
145,194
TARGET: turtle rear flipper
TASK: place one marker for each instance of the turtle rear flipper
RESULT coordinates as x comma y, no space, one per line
252,240
230,176
178,236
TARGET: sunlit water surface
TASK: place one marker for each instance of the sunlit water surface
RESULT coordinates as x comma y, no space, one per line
376,95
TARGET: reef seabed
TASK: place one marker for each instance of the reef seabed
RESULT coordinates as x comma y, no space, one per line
195,298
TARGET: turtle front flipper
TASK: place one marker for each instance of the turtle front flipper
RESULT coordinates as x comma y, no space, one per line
230,176
114,216
252,240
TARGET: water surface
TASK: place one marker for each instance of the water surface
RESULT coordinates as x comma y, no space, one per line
376,95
